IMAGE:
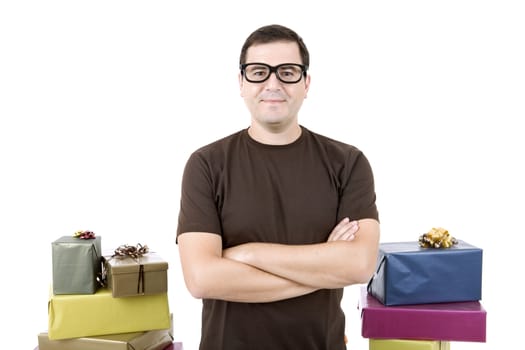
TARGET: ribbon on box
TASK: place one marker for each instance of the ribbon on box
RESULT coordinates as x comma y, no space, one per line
131,251
85,234
135,253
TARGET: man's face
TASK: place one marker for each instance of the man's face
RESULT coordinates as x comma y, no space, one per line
272,103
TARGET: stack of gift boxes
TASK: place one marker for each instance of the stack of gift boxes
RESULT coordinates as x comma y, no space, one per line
113,301
423,298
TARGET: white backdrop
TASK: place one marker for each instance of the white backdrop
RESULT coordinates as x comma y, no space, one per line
101,103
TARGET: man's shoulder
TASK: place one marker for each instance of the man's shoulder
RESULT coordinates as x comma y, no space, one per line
331,143
220,144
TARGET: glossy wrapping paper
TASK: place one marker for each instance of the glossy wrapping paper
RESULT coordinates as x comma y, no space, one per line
74,316
402,344
76,264
145,275
409,274
460,321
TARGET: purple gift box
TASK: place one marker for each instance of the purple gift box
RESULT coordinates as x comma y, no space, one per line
459,321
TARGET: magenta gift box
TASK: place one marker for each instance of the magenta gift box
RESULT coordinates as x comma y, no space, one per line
460,321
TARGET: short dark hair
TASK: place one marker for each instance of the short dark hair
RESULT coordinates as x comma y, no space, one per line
273,33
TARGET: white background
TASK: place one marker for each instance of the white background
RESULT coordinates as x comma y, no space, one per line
101,103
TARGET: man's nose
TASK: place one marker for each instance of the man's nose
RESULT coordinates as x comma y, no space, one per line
273,81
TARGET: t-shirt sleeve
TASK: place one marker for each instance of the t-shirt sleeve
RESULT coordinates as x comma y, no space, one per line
198,209
358,196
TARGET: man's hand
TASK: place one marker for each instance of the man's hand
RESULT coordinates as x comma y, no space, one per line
345,230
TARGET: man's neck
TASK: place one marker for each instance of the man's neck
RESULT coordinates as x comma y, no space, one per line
274,136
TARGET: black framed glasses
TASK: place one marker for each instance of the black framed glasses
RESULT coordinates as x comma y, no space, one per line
288,73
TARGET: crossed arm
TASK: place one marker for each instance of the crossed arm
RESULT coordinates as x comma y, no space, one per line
265,272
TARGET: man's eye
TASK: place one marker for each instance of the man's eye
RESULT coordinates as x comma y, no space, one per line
289,71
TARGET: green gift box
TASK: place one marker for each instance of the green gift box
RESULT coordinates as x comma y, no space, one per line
76,264
132,276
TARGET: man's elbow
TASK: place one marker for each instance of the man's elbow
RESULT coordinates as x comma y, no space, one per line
198,285
366,259
196,291
358,274
364,272
361,270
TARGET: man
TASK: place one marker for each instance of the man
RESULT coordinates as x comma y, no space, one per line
276,220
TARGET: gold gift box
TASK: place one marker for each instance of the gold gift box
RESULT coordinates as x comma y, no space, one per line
85,315
144,275
150,340
402,344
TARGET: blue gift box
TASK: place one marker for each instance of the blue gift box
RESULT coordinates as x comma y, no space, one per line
409,274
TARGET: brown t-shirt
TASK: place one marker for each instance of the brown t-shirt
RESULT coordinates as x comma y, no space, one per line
246,191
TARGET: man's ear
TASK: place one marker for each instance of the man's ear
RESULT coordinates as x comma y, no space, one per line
307,85
241,84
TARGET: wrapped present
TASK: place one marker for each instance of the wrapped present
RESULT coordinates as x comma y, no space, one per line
143,274
172,346
403,344
410,274
76,265
85,315
150,340
460,321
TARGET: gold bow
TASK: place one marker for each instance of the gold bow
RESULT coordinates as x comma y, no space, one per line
437,238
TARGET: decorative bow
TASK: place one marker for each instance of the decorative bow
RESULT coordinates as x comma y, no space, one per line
437,238
84,234
131,251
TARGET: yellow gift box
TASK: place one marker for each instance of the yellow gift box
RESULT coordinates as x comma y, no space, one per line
402,344
85,315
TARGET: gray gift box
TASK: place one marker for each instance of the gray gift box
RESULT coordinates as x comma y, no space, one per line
76,265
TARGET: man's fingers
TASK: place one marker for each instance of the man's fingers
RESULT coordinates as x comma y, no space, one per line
344,230
348,237
341,224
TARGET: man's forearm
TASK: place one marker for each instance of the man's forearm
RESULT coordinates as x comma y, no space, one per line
209,275
316,265
333,264
234,281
